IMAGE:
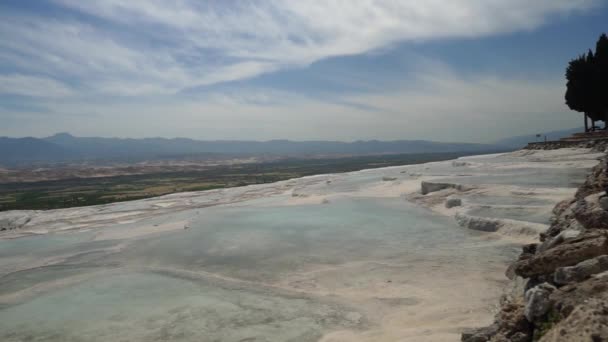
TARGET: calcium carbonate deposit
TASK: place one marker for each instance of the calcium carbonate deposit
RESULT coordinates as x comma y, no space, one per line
361,256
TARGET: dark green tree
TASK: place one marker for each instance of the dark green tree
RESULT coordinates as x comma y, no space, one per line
579,82
601,47
587,83
600,74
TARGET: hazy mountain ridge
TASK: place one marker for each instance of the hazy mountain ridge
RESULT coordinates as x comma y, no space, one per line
32,149
65,147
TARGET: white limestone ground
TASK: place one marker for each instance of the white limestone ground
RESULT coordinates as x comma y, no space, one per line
316,189
520,205
345,282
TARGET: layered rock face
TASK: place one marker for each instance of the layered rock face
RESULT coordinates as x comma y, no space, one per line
565,297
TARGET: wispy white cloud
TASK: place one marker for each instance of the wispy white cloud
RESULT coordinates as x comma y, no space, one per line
33,86
138,47
122,61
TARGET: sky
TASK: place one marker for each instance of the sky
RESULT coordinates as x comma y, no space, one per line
443,70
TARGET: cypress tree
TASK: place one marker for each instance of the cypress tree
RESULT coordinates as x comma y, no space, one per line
600,83
587,83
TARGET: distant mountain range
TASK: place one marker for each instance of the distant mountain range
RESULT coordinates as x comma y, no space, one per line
64,147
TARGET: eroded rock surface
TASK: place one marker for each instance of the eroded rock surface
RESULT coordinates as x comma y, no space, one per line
428,187
483,224
587,322
453,202
15,220
590,213
537,301
566,295
581,271
569,253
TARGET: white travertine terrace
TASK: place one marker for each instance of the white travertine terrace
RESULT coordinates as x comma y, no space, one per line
360,256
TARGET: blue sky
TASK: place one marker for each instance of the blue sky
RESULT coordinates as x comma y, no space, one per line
459,70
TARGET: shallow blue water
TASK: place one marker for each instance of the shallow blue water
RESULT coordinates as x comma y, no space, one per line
216,280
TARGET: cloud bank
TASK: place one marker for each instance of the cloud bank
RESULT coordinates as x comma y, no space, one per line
150,47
